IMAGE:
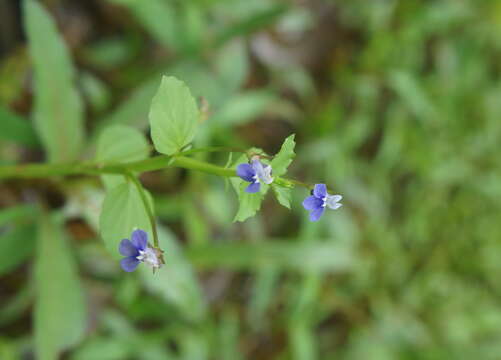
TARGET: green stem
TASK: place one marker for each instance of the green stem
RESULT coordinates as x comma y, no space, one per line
213,149
147,206
155,163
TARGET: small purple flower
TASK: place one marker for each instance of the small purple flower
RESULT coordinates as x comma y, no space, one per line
137,250
318,200
255,173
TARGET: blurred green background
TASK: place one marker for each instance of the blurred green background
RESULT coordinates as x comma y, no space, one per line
395,104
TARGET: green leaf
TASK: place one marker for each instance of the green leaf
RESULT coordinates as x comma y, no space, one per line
316,255
243,107
173,116
122,211
232,65
59,314
228,344
17,236
120,144
16,246
16,129
282,160
96,91
16,306
251,23
159,19
249,204
283,195
58,111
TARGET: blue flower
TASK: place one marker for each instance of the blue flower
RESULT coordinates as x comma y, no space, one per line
318,200
255,173
137,250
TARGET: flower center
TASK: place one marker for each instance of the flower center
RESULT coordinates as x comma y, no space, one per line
324,201
149,257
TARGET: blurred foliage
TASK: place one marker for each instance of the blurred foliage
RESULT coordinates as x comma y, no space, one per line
395,105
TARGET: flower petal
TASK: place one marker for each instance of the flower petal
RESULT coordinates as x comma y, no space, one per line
139,239
332,201
316,214
126,248
320,191
266,176
129,263
335,206
312,202
257,166
337,198
263,171
253,188
246,172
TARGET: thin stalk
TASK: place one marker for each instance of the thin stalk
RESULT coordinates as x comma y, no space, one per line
147,206
213,149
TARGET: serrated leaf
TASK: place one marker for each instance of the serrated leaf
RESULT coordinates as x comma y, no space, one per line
282,160
122,211
248,204
283,195
58,111
59,314
173,116
120,144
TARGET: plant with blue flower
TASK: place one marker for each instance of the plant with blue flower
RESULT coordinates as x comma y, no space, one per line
123,153
137,250
319,200
255,173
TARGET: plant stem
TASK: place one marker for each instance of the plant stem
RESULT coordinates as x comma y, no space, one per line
213,149
147,206
159,162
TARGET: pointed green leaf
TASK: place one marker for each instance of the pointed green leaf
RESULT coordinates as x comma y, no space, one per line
283,195
249,204
120,144
122,211
173,116
59,314
58,111
282,160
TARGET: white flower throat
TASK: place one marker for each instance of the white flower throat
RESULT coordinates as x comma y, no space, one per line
149,257
263,173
